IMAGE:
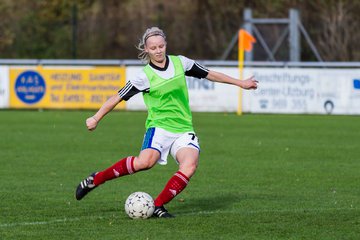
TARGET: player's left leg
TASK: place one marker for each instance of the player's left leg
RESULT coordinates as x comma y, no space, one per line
188,157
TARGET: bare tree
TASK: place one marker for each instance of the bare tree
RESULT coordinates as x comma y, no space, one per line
200,29
339,37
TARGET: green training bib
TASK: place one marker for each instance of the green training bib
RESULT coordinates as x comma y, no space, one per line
168,100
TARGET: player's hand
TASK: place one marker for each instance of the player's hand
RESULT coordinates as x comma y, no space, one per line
91,123
249,83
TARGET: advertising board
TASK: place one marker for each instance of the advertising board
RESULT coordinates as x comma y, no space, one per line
64,88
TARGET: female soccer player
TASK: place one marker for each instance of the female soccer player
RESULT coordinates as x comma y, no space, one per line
169,126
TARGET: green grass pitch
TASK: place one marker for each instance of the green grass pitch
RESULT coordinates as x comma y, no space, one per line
259,177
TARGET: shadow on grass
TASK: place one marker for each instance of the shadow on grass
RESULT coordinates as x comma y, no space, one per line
208,204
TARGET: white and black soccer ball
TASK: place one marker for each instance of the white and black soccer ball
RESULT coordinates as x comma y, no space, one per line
139,205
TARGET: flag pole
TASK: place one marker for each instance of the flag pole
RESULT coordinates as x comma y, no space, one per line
241,67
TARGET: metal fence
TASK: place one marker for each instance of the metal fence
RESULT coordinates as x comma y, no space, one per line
213,63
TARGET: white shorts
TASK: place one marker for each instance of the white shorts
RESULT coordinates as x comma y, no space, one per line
165,142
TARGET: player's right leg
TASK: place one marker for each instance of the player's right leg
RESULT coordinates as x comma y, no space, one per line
129,165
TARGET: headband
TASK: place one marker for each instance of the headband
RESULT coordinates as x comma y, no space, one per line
156,33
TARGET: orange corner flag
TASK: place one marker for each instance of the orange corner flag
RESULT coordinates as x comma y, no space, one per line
246,40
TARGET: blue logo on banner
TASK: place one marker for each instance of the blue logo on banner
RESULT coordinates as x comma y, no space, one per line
356,83
30,87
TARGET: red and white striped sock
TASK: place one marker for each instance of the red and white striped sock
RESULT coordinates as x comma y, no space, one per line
175,185
123,167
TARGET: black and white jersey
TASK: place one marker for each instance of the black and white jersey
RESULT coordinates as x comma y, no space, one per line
141,83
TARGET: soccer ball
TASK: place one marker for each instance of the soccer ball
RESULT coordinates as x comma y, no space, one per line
139,205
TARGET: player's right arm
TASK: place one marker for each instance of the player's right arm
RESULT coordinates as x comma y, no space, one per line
125,93
109,105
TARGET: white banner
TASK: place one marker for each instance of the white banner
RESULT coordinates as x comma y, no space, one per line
294,90
4,87
281,90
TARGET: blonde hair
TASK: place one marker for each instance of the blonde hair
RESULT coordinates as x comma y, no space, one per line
153,31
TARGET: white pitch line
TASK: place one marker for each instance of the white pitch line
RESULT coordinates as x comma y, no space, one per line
269,211
39,223
46,222
64,220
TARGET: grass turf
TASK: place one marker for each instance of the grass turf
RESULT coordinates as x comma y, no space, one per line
259,177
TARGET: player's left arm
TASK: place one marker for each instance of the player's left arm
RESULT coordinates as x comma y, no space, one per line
249,83
194,69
